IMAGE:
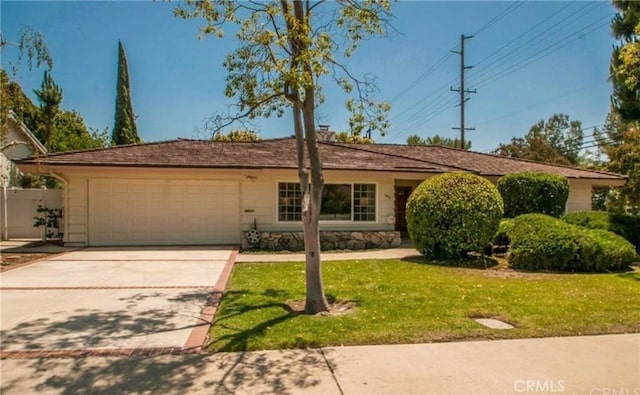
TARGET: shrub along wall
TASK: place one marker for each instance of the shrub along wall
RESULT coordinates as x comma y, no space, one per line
625,225
294,241
541,242
525,193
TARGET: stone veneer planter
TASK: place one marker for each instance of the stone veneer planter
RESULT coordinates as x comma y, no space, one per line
292,241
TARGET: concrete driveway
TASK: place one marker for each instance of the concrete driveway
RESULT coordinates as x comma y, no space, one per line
113,301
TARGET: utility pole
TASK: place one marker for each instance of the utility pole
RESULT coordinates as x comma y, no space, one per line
463,92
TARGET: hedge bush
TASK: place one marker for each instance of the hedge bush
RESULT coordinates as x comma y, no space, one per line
625,225
451,214
525,193
602,251
541,242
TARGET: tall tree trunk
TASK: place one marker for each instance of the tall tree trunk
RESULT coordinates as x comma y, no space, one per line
311,187
311,190
316,300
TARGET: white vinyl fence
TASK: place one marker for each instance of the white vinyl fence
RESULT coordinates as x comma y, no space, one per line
19,206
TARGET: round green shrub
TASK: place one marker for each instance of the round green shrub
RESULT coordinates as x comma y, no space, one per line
625,225
451,214
603,251
541,242
525,193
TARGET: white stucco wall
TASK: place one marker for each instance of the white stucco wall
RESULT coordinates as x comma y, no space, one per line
260,199
258,196
579,195
258,191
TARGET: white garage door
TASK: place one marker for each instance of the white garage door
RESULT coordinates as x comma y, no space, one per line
157,212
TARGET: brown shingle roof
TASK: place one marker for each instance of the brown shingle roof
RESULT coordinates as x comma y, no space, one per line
483,164
281,154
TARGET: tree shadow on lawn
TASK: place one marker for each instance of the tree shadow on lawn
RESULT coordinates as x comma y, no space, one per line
471,262
238,338
120,324
634,275
499,266
225,373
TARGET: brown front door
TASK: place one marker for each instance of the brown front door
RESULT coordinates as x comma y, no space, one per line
401,196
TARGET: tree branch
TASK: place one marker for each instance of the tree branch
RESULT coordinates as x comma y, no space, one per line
223,122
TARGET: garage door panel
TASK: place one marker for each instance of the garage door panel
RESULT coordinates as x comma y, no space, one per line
138,212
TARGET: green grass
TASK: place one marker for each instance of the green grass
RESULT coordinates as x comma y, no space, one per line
405,302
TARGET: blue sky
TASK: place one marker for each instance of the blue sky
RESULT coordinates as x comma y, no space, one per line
531,58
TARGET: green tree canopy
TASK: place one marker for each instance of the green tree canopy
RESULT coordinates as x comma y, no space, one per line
237,135
124,130
620,142
414,139
346,137
625,60
13,98
69,131
50,97
284,51
32,46
557,140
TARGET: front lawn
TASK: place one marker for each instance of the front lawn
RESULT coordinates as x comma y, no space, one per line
404,302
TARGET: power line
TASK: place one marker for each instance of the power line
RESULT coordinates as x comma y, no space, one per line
434,113
512,7
528,107
481,61
544,52
399,131
591,139
491,74
422,76
509,9
525,46
419,103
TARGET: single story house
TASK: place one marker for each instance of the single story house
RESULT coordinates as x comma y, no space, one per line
17,143
206,192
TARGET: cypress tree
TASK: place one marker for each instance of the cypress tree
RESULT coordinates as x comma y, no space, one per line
124,130
50,97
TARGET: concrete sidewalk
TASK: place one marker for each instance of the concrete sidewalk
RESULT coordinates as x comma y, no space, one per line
593,365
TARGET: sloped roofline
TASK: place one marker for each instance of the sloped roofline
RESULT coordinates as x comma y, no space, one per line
493,156
404,152
22,128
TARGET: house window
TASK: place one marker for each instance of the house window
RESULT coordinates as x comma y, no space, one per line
340,202
289,202
364,202
336,202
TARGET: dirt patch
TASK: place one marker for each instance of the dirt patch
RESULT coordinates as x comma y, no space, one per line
336,309
14,260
